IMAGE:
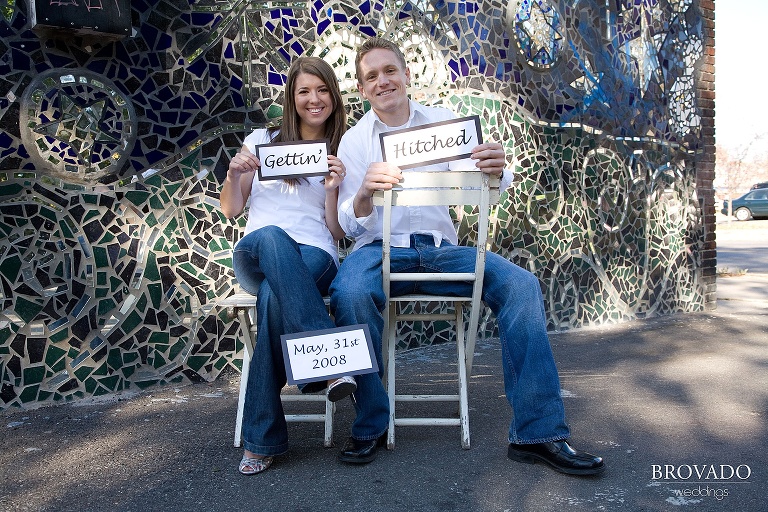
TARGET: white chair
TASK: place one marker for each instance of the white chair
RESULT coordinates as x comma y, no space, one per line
244,304
432,189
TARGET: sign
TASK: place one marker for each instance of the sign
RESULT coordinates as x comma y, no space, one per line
286,160
328,354
431,143
108,19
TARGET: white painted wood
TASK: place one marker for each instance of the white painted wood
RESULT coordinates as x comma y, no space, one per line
436,188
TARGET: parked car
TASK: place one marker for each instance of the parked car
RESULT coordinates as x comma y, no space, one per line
763,184
753,204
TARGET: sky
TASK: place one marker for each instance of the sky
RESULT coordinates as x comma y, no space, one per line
741,74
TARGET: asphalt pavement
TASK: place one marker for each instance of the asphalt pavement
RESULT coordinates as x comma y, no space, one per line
676,405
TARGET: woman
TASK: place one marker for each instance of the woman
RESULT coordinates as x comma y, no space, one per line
288,255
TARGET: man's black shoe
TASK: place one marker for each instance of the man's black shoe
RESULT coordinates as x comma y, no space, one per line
560,455
361,452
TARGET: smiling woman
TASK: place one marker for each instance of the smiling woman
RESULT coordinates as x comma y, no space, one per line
288,255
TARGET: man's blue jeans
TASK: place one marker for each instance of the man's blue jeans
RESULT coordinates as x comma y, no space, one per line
290,280
531,383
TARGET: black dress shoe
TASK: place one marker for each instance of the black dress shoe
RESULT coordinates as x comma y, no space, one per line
560,455
361,452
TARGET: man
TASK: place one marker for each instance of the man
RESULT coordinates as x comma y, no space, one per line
425,237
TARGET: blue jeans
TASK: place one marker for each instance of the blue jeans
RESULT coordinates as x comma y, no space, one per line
290,280
531,383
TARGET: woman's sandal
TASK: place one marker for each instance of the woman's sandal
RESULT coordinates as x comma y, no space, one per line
251,466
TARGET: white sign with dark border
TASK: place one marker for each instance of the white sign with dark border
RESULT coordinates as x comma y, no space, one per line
328,354
287,160
431,143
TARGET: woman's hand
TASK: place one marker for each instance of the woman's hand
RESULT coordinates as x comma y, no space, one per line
237,186
242,163
336,175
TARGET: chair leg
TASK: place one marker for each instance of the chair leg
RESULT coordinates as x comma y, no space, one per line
391,336
330,408
245,323
462,370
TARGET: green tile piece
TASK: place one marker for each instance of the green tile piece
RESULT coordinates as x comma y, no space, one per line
83,372
59,336
10,267
91,214
101,390
105,306
29,394
156,203
154,181
141,304
53,354
274,111
137,197
89,198
159,338
26,309
115,284
33,374
110,382
156,294
176,349
197,362
101,257
171,188
115,358
107,238
131,321
49,214
151,271
159,361
91,385
11,190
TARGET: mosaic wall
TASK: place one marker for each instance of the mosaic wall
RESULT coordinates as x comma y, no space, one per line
112,154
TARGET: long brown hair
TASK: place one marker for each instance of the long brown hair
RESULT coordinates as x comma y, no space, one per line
335,125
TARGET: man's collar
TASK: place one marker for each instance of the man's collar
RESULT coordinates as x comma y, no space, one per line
416,108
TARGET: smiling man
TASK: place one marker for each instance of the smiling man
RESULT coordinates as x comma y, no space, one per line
425,238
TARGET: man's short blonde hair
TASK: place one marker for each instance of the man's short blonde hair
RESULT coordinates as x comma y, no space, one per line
373,44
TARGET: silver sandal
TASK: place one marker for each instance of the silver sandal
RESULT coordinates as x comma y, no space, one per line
251,466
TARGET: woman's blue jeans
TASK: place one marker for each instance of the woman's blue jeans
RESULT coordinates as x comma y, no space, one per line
289,280
531,383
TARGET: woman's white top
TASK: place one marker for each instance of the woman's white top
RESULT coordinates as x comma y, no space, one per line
298,209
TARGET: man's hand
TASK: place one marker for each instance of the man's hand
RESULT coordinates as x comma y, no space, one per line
489,158
379,176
